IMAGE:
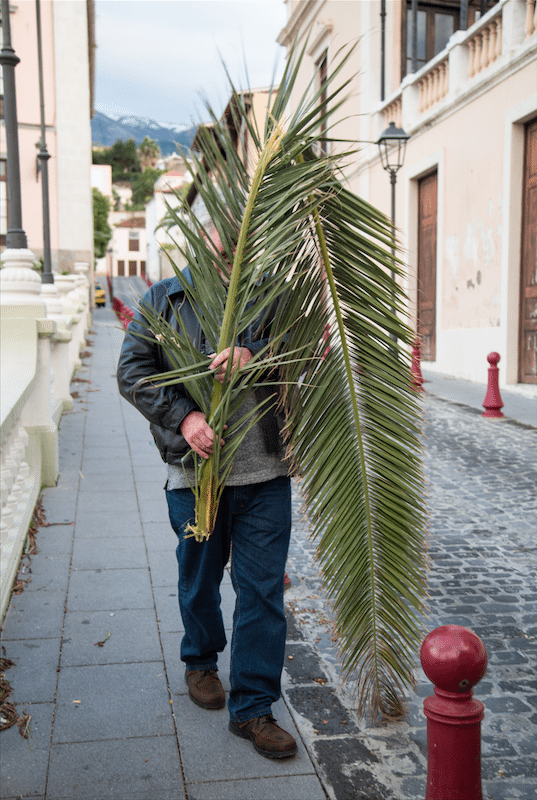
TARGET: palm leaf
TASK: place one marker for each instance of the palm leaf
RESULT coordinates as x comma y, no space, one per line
313,261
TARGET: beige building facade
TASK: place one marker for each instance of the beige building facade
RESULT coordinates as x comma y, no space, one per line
67,44
466,195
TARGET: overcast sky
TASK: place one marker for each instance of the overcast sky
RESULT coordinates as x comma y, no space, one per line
155,58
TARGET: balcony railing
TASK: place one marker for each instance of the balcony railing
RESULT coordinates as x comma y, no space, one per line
485,46
433,86
470,58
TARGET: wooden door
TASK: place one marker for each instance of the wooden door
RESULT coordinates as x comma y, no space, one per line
120,267
528,262
427,224
132,267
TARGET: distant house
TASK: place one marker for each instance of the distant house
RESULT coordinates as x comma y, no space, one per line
128,245
161,240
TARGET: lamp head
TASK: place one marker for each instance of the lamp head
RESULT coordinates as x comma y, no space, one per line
392,146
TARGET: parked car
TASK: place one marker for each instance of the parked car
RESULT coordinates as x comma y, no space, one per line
100,295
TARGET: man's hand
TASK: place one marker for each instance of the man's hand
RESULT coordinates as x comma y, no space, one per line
198,434
219,363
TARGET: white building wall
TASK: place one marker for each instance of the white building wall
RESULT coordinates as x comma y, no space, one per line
75,217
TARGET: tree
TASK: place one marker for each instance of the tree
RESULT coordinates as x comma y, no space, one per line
149,153
314,260
102,232
142,187
122,157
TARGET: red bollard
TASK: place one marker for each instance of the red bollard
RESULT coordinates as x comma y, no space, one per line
415,368
454,659
493,401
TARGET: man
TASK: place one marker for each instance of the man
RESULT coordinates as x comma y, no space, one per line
254,518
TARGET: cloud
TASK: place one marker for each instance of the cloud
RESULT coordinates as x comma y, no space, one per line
155,57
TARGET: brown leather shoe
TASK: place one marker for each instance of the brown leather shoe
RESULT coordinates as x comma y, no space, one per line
205,689
268,738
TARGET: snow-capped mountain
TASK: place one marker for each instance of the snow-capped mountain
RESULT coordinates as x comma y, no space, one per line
108,128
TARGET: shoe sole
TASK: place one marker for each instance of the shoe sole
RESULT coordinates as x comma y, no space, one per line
267,753
209,706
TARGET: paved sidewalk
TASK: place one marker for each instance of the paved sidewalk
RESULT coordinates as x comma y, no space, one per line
115,722
519,404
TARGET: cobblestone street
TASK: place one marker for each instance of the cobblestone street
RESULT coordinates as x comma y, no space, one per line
482,479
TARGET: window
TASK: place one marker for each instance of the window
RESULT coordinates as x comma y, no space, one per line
3,202
321,74
436,22
134,240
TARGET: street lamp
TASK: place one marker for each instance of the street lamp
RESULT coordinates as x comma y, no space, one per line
392,146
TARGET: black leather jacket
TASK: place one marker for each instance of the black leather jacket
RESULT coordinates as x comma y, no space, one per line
166,406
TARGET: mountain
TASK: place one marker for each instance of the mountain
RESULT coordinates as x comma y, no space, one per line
107,129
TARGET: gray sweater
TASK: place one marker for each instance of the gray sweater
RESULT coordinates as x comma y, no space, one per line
252,463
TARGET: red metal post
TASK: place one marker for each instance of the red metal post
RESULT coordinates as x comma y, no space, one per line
454,659
415,367
493,401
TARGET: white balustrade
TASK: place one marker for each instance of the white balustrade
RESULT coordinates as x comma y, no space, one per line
470,58
39,352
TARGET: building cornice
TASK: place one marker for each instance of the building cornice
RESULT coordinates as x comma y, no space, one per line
301,19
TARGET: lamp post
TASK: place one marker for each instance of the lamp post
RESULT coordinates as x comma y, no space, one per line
16,237
392,146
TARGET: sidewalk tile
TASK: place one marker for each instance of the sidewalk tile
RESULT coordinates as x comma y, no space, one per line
108,480
23,766
211,752
48,572
55,539
59,505
114,552
167,605
35,615
109,590
154,510
99,523
289,787
126,769
107,444
69,478
148,491
34,676
117,452
163,567
159,537
116,701
147,456
149,473
107,501
110,466
133,637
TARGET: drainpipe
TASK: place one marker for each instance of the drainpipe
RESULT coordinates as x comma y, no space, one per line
43,157
382,50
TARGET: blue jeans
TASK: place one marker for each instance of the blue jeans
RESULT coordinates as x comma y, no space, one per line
256,521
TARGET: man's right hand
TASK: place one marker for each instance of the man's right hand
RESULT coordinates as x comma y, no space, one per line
198,434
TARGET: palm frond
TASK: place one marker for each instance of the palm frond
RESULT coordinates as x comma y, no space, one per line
311,262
